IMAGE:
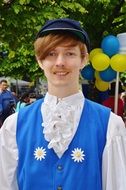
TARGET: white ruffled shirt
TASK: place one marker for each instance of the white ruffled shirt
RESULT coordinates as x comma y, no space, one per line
58,114
60,120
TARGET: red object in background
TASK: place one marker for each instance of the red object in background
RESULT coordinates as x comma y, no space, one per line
110,103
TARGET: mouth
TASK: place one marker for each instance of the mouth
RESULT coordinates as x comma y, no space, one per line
61,73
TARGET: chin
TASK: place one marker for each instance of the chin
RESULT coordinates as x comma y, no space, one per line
60,84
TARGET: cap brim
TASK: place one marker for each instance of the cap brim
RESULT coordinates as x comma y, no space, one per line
78,32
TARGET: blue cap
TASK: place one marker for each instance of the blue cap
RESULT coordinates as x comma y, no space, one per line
65,24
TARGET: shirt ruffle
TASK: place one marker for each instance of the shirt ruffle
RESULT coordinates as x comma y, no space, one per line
59,122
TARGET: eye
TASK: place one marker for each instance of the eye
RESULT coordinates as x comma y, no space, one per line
52,53
69,53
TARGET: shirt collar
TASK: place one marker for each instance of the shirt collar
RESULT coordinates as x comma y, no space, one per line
75,98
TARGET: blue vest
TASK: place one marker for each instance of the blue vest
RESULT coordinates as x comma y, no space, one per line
66,173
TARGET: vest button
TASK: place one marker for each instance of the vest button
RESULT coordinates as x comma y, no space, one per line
59,188
59,167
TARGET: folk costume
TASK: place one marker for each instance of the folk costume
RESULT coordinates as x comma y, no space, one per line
67,143
68,146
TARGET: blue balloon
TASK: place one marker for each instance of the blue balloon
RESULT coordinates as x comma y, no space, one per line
108,75
88,72
110,45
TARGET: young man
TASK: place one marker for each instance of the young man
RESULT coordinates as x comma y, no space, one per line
64,141
7,101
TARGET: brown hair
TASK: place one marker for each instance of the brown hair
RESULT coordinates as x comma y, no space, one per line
3,80
47,43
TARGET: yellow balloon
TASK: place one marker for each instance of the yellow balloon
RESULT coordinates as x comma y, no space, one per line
94,52
101,85
100,61
118,62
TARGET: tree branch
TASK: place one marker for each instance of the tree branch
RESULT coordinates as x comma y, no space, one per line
116,11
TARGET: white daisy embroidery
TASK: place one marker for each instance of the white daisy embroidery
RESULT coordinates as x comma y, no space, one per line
77,155
40,153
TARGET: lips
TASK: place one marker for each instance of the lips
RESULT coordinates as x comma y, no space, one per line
61,73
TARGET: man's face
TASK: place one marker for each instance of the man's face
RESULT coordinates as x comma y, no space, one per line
3,86
62,67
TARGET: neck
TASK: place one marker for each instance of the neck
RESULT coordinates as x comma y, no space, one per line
62,92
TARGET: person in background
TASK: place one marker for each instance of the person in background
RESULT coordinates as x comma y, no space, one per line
7,101
24,101
15,96
110,101
63,141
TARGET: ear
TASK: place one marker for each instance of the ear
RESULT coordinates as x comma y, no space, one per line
84,61
40,63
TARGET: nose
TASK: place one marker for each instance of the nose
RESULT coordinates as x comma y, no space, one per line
60,61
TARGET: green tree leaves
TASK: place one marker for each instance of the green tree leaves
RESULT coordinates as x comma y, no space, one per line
20,21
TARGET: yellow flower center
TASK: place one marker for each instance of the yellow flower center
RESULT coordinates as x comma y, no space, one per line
78,154
39,153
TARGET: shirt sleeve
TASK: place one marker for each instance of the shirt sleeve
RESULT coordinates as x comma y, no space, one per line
8,154
114,155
